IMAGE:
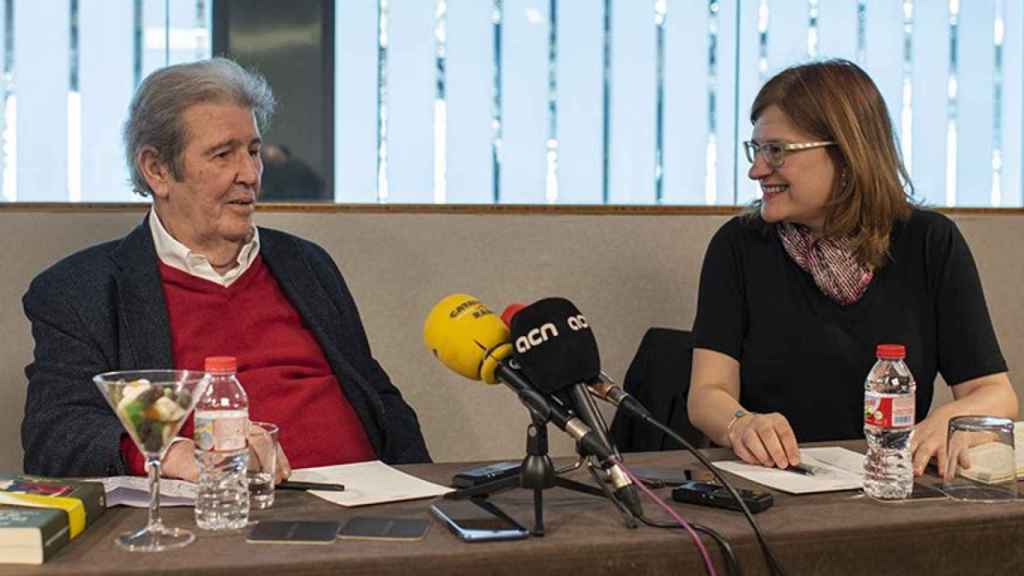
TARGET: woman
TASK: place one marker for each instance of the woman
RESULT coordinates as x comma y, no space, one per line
833,260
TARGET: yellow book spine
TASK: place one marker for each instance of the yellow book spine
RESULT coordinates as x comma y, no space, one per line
73,506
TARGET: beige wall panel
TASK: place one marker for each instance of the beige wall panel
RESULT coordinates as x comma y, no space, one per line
626,272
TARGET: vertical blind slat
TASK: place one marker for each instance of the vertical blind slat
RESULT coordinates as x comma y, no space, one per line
7,194
105,81
631,153
524,54
1012,180
750,82
580,84
975,109
355,102
410,101
189,40
686,122
42,72
787,34
470,65
837,29
883,53
930,65
154,30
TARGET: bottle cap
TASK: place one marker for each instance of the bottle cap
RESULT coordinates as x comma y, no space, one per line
221,364
891,351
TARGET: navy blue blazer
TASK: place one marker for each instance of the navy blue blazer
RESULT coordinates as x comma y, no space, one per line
103,309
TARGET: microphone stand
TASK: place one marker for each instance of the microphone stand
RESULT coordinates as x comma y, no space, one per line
537,473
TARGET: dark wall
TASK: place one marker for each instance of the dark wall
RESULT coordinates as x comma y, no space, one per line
291,44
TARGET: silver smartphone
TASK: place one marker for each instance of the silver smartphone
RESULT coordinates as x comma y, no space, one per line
478,520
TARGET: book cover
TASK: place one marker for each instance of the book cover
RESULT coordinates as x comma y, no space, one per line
82,502
31,535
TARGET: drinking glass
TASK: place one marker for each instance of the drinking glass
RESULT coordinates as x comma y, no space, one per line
981,461
152,405
262,464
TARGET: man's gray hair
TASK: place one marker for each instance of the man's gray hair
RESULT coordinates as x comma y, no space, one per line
156,115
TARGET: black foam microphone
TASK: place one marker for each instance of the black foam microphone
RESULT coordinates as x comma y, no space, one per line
557,350
555,345
558,353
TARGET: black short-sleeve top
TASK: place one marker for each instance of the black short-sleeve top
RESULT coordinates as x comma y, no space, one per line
806,356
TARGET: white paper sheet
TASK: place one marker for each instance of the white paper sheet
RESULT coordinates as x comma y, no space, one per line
834,469
133,491
368,483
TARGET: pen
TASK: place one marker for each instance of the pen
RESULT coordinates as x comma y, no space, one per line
801,469
295,485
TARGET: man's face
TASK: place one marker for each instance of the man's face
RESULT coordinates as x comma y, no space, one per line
212,202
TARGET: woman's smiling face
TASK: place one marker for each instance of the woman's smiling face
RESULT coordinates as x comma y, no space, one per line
797,191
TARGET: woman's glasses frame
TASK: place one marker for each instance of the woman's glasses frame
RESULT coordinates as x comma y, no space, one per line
774,153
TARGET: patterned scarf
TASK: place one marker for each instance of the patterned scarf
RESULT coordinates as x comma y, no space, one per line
830,261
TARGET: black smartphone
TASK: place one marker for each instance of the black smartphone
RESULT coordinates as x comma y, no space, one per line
374,528
707,494
483,474
294,532
662,477
478,520
921,492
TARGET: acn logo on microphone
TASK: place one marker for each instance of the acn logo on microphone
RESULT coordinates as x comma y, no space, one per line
538,336
578,322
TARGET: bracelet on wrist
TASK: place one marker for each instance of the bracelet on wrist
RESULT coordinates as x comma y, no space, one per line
740,413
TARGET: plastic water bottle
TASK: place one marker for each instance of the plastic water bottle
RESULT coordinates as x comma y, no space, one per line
222,451
888,424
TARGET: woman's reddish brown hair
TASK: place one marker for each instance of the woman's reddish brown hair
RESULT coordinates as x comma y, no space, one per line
836,100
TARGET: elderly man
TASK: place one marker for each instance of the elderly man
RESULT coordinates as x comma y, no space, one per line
198,279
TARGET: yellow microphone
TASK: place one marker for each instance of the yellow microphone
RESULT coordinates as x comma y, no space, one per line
467,337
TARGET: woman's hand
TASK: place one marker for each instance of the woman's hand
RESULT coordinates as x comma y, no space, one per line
765,439
992,395
929,441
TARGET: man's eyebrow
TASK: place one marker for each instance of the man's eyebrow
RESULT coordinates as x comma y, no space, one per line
232,143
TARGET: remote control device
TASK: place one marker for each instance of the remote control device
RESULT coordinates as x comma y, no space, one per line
706,494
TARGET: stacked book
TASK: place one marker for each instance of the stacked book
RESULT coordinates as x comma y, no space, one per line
38,516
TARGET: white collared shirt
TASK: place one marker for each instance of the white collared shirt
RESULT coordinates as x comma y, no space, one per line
180,257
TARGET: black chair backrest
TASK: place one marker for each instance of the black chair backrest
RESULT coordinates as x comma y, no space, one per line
659,377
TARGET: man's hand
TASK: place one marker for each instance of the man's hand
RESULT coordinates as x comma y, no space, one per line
284,468
765,439
260,445
180,461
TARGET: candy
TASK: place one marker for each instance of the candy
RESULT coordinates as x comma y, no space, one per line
150,413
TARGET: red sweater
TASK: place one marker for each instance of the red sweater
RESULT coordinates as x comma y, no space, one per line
280,364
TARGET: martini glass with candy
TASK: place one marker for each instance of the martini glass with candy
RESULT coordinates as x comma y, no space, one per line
152,405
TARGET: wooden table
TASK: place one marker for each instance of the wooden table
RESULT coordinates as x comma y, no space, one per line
836,533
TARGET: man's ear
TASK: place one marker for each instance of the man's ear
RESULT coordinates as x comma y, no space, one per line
157,174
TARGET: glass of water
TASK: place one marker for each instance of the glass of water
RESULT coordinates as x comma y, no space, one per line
981,459
262,464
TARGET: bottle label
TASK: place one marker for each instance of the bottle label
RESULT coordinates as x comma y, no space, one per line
888,410
220,432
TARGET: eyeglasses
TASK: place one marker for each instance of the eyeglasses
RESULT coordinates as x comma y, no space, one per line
774,153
